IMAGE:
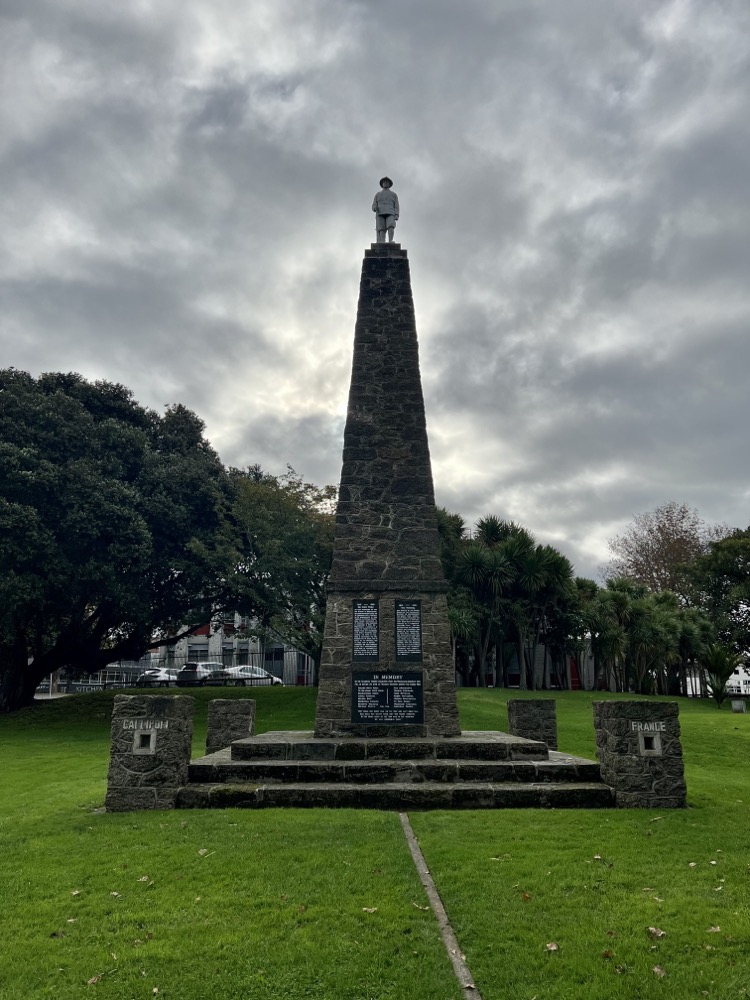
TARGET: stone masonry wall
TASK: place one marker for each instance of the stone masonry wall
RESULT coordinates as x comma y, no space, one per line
150,744
386,544
639,749
334,696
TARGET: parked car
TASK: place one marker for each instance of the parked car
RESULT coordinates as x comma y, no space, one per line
196,674
247,675
162,677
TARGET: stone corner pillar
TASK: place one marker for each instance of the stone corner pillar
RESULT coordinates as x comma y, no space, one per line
533,719
229,719
639,749
150,746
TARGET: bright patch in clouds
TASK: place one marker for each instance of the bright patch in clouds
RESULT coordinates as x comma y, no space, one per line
187,192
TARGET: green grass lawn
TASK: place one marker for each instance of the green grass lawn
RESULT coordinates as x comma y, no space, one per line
324,904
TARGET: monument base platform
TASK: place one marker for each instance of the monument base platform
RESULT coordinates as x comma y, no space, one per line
477,770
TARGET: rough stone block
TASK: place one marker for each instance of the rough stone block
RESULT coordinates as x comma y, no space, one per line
150,744
229,720
534,719
640,752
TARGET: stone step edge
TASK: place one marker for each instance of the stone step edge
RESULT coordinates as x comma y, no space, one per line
301,745
219,768
427,795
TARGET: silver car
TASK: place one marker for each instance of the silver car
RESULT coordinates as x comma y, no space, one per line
251,676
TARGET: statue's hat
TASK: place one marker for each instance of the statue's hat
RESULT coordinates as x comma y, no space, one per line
386,180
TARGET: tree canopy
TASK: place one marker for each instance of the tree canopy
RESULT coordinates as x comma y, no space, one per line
285,530
656,548
112,527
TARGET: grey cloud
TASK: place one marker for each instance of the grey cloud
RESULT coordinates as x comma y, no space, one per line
187,200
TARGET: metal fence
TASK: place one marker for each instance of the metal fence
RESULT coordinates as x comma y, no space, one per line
291,666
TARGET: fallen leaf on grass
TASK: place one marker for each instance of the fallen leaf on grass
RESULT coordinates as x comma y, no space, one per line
597,857
611,934
658,971
369,909
94,979
659,899
57,934
420,907
115,894
553,946
657,932
713,930
656,819
75,892
526,896
143,878
692,864
72,920
709,947
713,862
608,953
718,888
197,899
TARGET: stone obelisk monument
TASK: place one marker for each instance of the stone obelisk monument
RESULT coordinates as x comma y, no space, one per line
387,665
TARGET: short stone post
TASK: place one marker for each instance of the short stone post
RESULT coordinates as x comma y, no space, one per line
229,719
533,719
150,746
639,749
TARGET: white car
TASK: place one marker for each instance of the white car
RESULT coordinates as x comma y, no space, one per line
162,677
241,676
195,674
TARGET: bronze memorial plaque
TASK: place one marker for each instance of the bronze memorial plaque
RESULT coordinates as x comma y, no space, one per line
409,631
387,698
365,645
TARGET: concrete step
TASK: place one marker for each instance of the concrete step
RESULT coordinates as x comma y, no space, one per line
303,745
559,769
427,795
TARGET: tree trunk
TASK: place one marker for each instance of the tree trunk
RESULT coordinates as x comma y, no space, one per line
502,665
18,678
521,660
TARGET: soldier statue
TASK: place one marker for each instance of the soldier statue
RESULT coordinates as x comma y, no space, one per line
385,207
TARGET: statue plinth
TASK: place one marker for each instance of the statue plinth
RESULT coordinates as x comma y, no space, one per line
387,666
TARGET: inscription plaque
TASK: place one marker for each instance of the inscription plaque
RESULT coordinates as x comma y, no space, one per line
409,631
387,698
365,633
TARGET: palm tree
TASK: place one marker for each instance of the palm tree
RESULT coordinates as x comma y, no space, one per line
464,626
485,571
720,664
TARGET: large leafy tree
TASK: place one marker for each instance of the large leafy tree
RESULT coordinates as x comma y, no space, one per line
720,587
286,549
113,533
657,546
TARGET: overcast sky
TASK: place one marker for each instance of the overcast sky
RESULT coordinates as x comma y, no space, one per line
185,191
